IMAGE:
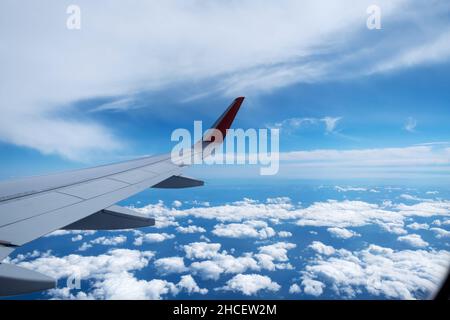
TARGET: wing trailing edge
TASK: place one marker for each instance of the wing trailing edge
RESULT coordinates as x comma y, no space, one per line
112,218
179,182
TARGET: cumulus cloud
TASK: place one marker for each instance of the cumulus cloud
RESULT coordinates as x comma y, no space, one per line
441,233
151,238
284,234
170,265
414,240
250,284
312,287
78,237
111,274
188,283
208,270
201,250
215,262
342,233
295,288
248,229
418,226
191,229
278,251
385,272
333,214
104,241
322,248
177,203
124,286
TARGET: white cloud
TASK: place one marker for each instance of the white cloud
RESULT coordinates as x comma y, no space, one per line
215,263
250,284
177,204
410,197
351,214
78,237
312,287
85,246
437,222
334,214
295,288
124,286
110,272
418,226
441,233
208,270
414,240
224,263
170,265
406,274
188,283
109,241
248,229
191,229
342,233
330,123
278,251
346,189
201,250
434,49
407,156
105,241
59,233
292,124
322,248
284,234
151,238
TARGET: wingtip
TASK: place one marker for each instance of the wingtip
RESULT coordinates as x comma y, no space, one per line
227,118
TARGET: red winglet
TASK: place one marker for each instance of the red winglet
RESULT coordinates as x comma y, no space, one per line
227,118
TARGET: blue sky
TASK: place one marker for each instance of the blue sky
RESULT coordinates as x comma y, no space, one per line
110,91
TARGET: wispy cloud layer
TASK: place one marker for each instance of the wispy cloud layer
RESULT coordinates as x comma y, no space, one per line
151,47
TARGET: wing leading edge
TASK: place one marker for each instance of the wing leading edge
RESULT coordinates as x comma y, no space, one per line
84,200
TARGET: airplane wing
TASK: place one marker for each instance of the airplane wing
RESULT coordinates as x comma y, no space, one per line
81,200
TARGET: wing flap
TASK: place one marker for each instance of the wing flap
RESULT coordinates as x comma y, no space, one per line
16,280
179,182
112,218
